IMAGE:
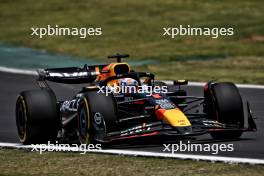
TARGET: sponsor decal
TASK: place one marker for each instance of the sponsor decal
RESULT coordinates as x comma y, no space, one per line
74,74
136,129
98,118
165,104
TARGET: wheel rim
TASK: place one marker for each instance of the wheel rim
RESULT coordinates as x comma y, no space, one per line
84,122
21,119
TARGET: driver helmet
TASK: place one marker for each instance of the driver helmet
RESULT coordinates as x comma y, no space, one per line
128,84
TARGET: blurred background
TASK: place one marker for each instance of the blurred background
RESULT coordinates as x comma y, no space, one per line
136,27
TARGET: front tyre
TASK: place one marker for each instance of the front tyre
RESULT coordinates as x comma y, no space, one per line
84,122
96,112
224,104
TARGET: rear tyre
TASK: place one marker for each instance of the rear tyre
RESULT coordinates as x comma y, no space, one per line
224,104
95,109
37,117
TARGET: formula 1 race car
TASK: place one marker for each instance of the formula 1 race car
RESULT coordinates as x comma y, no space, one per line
101,112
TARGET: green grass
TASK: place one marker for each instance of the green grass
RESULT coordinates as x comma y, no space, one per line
22,162
234,69
135,27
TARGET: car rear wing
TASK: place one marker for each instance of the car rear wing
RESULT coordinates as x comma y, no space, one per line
70,75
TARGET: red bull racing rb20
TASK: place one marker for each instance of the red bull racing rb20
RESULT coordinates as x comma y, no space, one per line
151,108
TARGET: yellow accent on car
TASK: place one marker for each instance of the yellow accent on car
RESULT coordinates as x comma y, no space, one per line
97,70
176,118
114,65
88,136
24,137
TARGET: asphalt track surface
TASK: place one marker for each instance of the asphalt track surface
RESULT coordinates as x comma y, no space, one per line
250,145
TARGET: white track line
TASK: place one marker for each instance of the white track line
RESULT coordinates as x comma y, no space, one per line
143,154
200,84
17,71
